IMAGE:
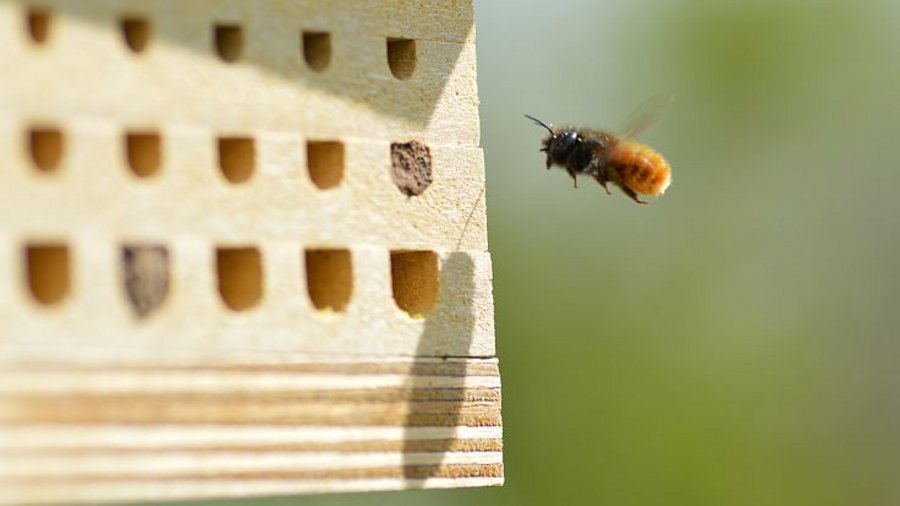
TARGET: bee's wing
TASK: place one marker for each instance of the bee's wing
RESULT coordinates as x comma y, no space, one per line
646,115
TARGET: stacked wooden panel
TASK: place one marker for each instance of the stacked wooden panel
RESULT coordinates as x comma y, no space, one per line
243,250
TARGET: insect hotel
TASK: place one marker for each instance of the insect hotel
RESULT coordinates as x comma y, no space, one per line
243,250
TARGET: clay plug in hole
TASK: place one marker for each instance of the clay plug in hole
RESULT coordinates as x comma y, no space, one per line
411,167
146,270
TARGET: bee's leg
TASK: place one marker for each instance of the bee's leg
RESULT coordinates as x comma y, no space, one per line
600,179
574,176
628,191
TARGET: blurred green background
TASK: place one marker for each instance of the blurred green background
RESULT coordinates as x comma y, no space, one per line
736,342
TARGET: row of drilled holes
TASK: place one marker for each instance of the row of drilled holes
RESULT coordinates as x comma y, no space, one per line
236,155
329,277
411,162
228,40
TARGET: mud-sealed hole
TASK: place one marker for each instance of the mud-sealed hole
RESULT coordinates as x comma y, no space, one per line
237,158
38,22
411,168
146,274
229,41
316,49
240,277
402,57
144,153
329,278
48,272
135,32
325,161
46,146
415,279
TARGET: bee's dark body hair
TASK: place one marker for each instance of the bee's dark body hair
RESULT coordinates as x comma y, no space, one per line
578,150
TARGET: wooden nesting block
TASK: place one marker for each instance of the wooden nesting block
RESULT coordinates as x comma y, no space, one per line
243,250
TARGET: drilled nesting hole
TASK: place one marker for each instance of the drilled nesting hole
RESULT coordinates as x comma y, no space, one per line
45,145
329,278
136,32
316,49
240,277
415,279
146,272
38,21
401,57
325,160
229,41
47,268
144,153
237,158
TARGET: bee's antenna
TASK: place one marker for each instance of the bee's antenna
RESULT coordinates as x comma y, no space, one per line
540,123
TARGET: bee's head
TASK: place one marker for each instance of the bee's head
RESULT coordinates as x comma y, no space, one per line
558,144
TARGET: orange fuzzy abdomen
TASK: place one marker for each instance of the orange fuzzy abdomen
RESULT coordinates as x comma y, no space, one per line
640,168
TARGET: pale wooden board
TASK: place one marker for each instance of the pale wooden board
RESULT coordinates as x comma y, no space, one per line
189,195
193,399
234,429
86,69
95,322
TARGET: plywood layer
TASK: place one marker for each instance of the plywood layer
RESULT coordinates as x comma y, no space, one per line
246,429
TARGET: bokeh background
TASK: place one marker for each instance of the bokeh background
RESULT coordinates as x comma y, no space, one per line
736,342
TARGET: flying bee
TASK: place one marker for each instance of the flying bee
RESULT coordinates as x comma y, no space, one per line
612,158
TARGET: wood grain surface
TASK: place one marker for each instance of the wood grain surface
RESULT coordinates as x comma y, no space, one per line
118,432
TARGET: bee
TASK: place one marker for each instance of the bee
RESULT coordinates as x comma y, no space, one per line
612,158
